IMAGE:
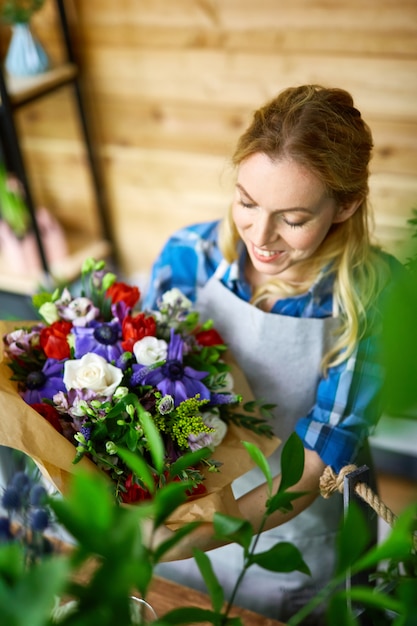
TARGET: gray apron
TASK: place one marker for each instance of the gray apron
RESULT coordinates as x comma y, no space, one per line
281,359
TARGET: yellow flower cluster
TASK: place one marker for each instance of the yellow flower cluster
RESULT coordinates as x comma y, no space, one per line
188,421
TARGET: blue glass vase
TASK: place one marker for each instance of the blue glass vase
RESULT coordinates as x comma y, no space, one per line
25,55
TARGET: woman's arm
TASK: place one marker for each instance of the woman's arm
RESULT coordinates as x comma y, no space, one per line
252,507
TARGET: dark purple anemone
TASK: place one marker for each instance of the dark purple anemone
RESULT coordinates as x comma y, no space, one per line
45,383
101,338
173,377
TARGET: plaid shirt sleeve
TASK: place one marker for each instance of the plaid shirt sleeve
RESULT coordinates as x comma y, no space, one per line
187,261
348,406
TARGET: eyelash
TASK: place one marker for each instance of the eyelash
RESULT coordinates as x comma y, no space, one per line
249,205
294,225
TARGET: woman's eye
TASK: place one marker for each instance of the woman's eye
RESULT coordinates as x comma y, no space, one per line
247,205
294,224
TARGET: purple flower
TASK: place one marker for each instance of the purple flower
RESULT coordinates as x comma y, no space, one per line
39,520
80,311
102,338
173,378
22,341
45,383
224,398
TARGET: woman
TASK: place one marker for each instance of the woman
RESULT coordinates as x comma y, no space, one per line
293,284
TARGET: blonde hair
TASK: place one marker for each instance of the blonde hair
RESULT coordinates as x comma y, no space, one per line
321,129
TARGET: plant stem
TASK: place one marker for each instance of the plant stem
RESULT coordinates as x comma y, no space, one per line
247,563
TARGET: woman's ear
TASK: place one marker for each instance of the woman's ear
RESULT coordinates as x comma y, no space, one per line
345,211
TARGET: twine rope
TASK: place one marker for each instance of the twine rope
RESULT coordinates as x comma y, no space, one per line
331,482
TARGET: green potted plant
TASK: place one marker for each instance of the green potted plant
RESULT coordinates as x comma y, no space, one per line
13,209
20,11
34,584
18,244
25,55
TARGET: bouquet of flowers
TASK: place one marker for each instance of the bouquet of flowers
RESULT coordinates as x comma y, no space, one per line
95,371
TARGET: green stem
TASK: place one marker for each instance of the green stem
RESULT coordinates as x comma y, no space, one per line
316,600
247,563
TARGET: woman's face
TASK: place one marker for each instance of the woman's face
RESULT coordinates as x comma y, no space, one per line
282,213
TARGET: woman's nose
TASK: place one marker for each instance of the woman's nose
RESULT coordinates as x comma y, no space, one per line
263,230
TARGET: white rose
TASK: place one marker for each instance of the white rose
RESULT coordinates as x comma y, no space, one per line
150,350
212,420
92,372
175,297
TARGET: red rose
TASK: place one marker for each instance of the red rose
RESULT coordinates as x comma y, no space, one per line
196,491
53,340
121,292
135,328
209,337
49,413
134,492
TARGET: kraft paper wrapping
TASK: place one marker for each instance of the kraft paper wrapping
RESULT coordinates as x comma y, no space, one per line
22,428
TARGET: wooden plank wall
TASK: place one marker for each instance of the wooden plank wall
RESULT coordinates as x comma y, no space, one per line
170,85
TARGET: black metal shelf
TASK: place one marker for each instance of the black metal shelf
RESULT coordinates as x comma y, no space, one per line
15,93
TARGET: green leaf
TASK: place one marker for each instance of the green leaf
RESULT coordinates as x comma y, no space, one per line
31,598
250,406
132,438
292,462
397,545
282,557
260,460
168,499
188,460
138,465
214,588
234,529
282,501
11,562
339,612
156,446
352,538
373,598
88,511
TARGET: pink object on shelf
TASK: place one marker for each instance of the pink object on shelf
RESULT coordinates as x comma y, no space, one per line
21,256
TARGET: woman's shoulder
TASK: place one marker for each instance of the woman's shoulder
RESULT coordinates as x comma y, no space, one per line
389,266
199,231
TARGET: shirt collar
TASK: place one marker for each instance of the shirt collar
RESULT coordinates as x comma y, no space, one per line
235,279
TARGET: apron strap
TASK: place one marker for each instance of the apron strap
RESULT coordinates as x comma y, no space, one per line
221,269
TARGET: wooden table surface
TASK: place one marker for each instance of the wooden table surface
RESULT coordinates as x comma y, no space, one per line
166,595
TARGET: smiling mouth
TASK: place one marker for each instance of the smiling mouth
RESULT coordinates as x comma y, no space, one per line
266,254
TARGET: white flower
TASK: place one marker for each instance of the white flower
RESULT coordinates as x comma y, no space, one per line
78,310
175,297
212,420
92,372
150,350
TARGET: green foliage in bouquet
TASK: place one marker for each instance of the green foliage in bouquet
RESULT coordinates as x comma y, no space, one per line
122,541
19,11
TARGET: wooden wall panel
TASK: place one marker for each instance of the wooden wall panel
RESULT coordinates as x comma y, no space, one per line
170,85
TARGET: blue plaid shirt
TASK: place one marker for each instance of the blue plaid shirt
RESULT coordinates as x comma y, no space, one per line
348,399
